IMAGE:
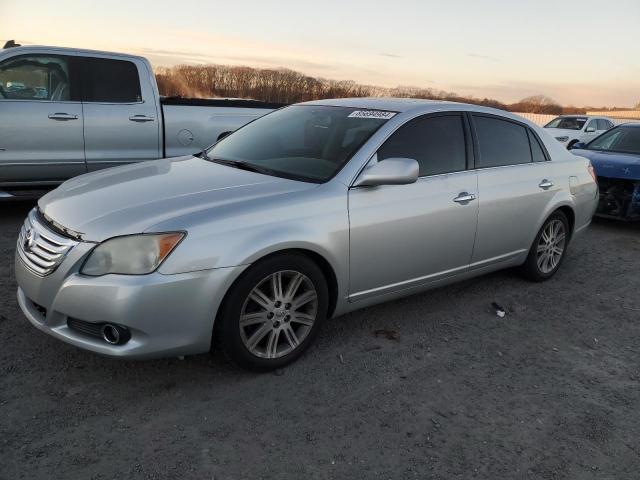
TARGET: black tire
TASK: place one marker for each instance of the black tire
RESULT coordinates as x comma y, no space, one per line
228,330
531,269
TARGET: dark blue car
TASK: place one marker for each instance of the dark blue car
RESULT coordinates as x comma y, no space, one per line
615,156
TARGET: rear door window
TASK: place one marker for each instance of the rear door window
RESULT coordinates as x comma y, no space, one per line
501,142
105,80
603,125
437,143
38,77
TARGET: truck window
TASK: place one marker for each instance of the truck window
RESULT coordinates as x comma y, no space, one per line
37,77
110,81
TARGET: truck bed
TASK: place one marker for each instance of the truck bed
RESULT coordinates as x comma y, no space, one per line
189,130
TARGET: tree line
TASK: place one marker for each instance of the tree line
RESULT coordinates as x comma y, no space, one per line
289,86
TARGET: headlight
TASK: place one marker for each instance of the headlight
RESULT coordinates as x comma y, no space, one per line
562,139
131,255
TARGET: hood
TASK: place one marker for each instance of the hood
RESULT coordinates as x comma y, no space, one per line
133,198
563,132
612,164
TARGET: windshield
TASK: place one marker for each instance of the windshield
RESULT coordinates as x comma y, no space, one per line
303,142
620,139
567,123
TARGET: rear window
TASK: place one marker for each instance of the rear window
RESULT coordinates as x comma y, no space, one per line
501,142
110,81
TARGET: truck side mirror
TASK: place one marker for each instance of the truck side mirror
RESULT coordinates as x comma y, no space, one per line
223,134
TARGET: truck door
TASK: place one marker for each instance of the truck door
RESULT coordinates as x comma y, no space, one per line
41,138
121,123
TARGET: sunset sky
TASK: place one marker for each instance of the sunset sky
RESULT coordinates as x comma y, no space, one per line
578,52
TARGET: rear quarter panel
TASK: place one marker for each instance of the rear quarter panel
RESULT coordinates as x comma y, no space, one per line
578,189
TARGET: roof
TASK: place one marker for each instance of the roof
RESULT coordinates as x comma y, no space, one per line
580,115
413,105
65,50
383,103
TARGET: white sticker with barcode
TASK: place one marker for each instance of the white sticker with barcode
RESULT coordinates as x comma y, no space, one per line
372,114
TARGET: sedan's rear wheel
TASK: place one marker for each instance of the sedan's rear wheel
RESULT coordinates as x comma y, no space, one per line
273,312
548,249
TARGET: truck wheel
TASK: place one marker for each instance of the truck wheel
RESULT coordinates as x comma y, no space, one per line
548,249
273,312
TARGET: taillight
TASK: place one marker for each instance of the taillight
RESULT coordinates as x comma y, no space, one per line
592,172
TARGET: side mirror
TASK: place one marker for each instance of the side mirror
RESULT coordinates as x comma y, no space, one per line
578,145
590,130
392,171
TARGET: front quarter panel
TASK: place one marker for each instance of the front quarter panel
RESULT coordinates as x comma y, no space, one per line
314,220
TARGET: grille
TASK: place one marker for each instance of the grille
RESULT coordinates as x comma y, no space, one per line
39,247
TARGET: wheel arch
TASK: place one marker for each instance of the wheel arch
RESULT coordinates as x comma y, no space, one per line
320,260
570,214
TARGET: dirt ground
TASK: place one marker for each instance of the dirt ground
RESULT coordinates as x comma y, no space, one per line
550,391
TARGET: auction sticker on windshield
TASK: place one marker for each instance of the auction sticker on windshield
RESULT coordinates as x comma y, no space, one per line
372,114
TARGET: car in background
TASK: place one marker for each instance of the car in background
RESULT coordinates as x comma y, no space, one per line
615,156
66,111
309,212
570,129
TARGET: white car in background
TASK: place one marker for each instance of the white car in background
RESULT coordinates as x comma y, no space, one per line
571,129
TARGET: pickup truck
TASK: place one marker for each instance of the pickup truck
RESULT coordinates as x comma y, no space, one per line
64,112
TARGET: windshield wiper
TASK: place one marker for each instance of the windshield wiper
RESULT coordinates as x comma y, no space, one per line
241,165
204,155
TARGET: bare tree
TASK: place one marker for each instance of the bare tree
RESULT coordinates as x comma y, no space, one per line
537,104
290,86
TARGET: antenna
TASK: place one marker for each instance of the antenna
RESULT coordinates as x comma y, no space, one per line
11,44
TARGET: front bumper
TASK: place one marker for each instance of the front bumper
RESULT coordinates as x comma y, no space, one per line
167,315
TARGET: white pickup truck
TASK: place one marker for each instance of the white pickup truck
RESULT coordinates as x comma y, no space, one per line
64,112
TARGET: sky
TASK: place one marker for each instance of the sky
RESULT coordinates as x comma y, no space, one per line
578,52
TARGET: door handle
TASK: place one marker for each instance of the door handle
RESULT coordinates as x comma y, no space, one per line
141,118
62,116
545,184
464,198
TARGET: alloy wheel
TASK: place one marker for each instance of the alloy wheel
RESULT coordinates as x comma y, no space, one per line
278,314
551,246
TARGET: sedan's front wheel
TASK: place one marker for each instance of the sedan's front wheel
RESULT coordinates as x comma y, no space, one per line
273,312
548,249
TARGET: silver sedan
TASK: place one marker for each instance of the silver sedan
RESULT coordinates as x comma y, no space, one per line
309,212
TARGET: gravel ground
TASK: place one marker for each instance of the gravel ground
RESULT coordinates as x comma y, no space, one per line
453,392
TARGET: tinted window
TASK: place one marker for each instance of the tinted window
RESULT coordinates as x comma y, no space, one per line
603,125
37,77
536,148
501,142
437,143
591,125
110,81
567,123
620,139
